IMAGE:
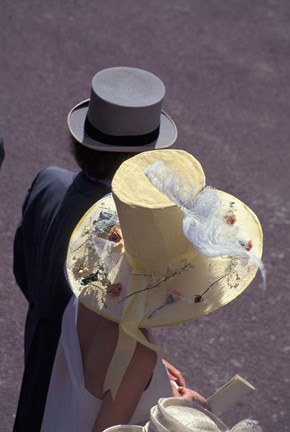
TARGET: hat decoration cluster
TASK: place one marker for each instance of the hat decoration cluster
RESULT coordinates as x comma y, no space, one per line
212,233
98,270
101,246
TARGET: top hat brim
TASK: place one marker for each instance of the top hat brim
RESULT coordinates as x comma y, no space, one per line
76,123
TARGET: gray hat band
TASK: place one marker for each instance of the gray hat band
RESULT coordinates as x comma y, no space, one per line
124,140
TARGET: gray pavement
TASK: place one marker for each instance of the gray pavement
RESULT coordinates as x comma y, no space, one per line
226,68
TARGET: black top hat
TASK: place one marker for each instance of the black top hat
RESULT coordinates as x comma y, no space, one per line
124,113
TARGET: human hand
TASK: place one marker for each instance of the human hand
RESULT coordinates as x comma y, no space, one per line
174,374
189,394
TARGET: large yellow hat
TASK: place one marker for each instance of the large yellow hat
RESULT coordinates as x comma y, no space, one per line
162,248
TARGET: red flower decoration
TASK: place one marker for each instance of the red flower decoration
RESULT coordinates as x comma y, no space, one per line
114,235
115,289
172,296
248,246
231,219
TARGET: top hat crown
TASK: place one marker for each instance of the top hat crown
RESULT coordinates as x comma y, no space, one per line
124,113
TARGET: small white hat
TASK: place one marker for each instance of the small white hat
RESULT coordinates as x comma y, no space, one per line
180,415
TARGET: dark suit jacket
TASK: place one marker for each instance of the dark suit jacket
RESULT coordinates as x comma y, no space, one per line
54,204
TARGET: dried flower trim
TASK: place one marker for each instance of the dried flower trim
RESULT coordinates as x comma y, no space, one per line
86,230
101,277
115,289
172,296
106,220
106,225
230,217
232,266
155,281
232,278
232,273
114,235
247,245
80,268
200,297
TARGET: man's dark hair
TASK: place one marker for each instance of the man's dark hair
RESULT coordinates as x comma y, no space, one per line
97,164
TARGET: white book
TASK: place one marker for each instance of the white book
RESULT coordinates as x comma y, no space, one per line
229,394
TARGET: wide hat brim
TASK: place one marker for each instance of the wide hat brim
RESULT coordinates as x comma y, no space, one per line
125,428
188,288
76,123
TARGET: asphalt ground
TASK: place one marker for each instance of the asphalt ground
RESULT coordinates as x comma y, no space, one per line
226,67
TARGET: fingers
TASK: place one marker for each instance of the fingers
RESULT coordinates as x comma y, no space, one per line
174,374
179,388
192,395
175,389
200,400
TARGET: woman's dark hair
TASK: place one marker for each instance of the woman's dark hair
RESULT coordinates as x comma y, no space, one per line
97,164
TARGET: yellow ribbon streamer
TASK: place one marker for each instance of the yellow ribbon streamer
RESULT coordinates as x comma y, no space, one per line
129,335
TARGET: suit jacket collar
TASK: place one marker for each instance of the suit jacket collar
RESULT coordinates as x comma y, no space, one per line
88,186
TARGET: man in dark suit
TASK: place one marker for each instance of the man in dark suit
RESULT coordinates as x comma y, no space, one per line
122,117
